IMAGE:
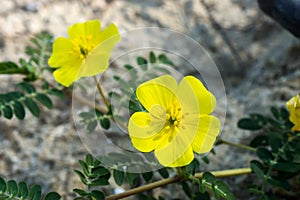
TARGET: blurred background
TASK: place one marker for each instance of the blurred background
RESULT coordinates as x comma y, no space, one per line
258,60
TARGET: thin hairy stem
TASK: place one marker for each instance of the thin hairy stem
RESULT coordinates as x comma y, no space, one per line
101,92
175,179
237,145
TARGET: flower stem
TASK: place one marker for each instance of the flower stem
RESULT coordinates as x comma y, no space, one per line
237,145
175,179
101,93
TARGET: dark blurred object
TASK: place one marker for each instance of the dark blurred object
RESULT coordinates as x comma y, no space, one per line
285,12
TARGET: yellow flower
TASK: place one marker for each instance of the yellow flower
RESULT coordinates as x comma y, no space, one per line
85,53
177,122
293,105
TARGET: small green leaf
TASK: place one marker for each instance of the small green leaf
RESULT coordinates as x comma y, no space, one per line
105,123
193,166
164,59
98,182
142,62
286,166
279,183
19,110
2,185
12,188
275,143
208,179
80,192
81,176
205,159
35,192
147,176
152,57
89,160
84,167
27,87
23,190
132,178
91,126
248,124
8,113
100,171
264,154
45,100
163,172
260,140
186,188
56,92
98,195
223,190
118,176
52,196
33,108
257,168
11,68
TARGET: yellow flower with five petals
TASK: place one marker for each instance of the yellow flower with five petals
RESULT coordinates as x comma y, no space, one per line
85,53
178,122
293,105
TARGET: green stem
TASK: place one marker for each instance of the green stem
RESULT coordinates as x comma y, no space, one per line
175,179
237,145
101,93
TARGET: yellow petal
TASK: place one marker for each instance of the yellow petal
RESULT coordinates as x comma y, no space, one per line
144,125
78,30
60,55
144,144
184,160
66,75
95,63
175,155
207,129
194,97
108,38
158,91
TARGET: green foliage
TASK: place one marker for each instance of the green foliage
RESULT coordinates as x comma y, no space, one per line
14,103
11,190
91,118
277,148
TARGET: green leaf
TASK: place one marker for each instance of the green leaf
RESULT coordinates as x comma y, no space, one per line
132,178
33,108
257,168
27,87
205,159
100,171
84,167
98,182
8,113
80,192
164,59
11,68
208,179
152,57
286,166
275,143
147,176
279,183
52,196
142,62
98,195
12,188
19,110
89,160
164,172
105,123
260,140
35,192
23,190
56,92
264,154
248,124
192,167
91,126
45,100
81,176
202,196
186,188
2,185
222,190
118,176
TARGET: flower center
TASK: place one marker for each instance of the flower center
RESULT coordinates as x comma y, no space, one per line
173,116
82,46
